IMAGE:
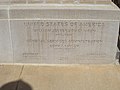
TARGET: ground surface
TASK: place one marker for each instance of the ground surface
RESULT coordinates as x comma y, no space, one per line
78,77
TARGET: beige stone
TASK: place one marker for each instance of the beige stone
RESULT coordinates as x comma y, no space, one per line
96,1
59,34
55,1
84,77
35,1
9,73
67,1
4,1
17,1
5,43
103,1
43,42
87,1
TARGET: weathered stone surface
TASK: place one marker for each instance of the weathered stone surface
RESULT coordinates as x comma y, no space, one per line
68,34
54,1
64,41
18,1
6,54
70,1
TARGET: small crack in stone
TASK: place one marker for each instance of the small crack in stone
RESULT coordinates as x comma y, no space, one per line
18,82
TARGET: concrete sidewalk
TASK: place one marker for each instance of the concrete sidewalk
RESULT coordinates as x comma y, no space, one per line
44,77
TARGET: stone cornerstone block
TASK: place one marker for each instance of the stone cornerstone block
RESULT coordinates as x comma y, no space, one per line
59,34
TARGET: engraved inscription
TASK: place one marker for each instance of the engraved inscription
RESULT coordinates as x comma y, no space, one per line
63,35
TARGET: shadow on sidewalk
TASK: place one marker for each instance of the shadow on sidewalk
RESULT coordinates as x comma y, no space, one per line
16,85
